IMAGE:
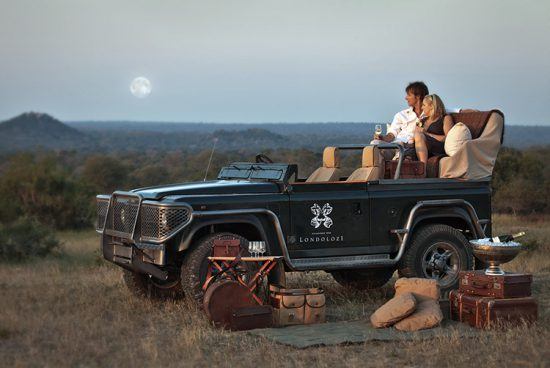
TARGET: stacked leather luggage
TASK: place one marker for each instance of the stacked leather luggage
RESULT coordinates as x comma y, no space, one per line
485,301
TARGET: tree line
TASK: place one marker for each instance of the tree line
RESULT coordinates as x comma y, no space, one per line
58,189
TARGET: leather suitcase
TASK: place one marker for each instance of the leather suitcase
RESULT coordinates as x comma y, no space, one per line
486,312
409,170
297,306
510,285
249,318
226,247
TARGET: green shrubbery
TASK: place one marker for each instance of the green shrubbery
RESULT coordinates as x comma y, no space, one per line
58,189
24,239
521,181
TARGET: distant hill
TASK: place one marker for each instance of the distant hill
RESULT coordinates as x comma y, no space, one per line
32,130
303,135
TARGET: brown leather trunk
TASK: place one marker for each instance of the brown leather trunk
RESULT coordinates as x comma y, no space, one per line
248,318
486,312
409,170
226,247
297,306
510,285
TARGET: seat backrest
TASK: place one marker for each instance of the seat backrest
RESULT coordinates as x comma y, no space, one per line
476,121
372,166
330,171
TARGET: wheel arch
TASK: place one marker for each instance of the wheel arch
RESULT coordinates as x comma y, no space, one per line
455,217
249,227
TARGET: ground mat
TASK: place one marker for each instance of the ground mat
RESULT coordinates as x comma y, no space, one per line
335,333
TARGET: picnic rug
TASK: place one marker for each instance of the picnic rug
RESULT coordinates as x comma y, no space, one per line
352,332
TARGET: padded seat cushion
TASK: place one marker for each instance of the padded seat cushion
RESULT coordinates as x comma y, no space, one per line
372,166
422,289
427,315
456,138
330,170
394,310
475,121
432,167
409,170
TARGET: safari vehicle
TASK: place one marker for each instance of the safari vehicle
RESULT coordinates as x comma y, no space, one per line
360,228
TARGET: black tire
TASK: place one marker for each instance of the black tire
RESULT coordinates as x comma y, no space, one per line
145,286
440,252
365,279
195,264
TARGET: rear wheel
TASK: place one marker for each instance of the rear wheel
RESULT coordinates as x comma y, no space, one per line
437,252
195,264
365,279
146,286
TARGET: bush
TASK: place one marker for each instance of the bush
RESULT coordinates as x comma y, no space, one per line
43,189
24,239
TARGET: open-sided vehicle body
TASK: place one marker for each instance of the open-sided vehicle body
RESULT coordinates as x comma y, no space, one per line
360,231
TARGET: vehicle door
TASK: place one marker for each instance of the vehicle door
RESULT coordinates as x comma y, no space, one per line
328,219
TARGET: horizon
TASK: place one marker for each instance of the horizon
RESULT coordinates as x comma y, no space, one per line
290,61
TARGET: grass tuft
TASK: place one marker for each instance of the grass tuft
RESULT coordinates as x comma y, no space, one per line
73,310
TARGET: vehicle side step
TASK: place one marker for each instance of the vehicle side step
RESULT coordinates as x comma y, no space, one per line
339,263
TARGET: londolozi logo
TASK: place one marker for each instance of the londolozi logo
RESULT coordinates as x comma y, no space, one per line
321,216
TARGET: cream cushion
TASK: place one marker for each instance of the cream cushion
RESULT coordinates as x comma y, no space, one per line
422,289
456,138
372,166
477,157
331,157
394,310
427,315
330,170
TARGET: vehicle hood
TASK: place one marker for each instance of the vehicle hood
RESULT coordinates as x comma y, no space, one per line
209,188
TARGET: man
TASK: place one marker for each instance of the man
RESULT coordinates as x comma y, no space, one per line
404,122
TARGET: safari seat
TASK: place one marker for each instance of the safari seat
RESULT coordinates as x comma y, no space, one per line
330,171
476,159
372,166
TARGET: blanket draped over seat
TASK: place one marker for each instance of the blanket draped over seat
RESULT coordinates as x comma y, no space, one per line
476,159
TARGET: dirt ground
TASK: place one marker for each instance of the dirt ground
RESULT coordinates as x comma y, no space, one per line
73,310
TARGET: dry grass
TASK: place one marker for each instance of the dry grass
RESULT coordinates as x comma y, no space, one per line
73,310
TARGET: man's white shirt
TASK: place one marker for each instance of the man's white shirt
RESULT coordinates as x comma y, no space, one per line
403,125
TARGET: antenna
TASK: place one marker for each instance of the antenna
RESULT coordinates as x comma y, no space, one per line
210,159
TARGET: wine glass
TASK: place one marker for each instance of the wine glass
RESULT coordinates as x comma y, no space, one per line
377,130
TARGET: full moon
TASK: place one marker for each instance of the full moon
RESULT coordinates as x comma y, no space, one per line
140,87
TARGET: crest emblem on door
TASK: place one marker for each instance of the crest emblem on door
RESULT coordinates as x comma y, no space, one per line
321,216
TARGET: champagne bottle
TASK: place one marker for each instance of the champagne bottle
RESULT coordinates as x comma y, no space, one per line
507,237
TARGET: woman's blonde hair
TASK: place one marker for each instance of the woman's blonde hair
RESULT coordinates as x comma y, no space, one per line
437,103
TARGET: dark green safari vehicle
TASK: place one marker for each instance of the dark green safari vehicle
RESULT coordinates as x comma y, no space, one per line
361,228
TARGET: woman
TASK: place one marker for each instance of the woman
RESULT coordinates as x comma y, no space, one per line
429,139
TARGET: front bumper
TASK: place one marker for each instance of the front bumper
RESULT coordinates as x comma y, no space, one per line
132,258
135,231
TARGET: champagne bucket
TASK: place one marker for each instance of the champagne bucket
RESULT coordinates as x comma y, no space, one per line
495,254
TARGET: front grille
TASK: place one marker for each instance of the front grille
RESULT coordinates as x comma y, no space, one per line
122,215
159,222
102,204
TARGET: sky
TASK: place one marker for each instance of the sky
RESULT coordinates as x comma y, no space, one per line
272,61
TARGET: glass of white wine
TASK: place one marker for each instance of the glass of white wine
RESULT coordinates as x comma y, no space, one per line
377,130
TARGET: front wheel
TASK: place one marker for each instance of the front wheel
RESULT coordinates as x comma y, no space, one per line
146,286
194,268
437,252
